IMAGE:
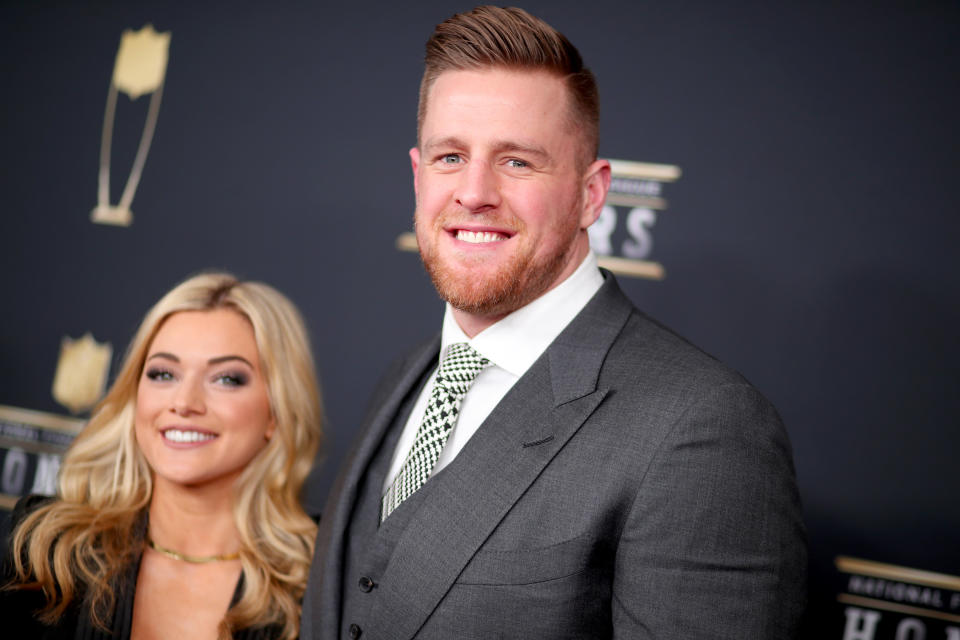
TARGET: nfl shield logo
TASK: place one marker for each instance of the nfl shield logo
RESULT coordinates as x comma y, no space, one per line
81,372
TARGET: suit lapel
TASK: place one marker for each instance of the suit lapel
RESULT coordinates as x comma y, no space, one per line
328,565
473,494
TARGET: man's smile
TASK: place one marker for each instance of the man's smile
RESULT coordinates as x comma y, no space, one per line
480,237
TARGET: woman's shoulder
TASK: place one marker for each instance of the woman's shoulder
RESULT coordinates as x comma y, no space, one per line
17,606
25,506
21,510
17,609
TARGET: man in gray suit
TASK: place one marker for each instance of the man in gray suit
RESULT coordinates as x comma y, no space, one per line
555,464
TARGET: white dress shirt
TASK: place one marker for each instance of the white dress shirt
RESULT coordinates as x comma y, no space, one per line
512,344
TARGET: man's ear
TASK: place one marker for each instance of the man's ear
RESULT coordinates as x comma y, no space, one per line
596,184
415,164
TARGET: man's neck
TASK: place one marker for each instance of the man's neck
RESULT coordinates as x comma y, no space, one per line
472,323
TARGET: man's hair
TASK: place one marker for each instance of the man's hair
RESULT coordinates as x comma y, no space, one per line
510,38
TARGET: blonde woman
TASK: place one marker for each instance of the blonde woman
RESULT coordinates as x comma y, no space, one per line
178,513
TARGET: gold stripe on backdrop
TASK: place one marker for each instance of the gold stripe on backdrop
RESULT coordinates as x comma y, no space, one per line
645,170
872,603
41,419
892,572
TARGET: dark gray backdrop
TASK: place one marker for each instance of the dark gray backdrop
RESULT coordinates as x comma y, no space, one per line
809,243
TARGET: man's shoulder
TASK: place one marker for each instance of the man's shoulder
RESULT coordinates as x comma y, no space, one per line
656,339
645,353
651,346
656,377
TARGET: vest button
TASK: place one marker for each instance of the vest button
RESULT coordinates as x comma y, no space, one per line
366,584
355,632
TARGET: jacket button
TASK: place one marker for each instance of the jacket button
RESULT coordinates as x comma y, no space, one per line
366,584
355,632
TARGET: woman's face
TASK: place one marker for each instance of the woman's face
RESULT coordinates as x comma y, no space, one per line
202,407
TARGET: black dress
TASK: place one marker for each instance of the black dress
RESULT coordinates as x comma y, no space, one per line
17,607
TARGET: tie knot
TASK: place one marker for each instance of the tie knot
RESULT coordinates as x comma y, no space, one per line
459,367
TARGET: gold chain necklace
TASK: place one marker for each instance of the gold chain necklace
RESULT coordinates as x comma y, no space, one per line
176,555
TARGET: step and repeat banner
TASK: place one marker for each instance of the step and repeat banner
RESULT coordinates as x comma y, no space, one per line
784,195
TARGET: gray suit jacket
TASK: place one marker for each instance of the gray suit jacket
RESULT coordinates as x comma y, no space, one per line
628,486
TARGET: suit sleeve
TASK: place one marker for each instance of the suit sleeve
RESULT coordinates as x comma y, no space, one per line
714,544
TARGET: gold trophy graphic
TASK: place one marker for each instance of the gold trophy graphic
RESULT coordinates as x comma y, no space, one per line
140,68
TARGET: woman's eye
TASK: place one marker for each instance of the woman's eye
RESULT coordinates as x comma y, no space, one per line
232,379
159,375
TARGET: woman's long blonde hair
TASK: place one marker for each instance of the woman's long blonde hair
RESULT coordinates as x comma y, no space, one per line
79,544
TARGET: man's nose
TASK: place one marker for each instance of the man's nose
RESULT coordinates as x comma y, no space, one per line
479,188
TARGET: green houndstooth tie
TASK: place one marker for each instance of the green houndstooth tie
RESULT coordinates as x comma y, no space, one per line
457,372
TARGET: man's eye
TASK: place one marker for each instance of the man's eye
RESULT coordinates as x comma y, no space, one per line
517,164
450,158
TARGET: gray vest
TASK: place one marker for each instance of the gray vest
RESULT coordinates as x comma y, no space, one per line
370,545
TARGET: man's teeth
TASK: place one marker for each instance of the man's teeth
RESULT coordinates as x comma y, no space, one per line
187,436
478,237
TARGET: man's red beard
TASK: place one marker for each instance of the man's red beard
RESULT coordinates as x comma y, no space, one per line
518,281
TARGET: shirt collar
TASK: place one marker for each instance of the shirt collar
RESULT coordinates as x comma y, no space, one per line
516,341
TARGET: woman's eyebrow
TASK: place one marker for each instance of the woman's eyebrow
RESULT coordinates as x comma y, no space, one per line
220,359
217,360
